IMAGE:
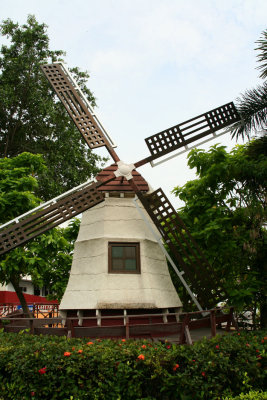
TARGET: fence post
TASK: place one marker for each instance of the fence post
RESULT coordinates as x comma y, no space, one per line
127,327
31,326
213,323
184,324
69,327
187,335
231,321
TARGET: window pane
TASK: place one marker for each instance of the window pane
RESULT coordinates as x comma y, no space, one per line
117,264
117,252
123,258
129,252
130,264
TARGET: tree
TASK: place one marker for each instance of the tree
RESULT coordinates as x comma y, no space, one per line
225,210
17,185
47,259
31,117
252,105
54,251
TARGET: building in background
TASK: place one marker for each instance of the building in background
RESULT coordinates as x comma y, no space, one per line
9,301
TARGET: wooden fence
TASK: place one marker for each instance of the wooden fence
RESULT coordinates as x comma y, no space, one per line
130,326
38,310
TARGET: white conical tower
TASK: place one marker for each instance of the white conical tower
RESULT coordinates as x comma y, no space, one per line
93,285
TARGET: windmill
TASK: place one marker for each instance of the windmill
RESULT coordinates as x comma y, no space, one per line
121,187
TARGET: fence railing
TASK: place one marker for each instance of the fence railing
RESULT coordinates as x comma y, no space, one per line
127,326
38,310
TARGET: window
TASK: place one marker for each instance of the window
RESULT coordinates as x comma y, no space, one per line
124,258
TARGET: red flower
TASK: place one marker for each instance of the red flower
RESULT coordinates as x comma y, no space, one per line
123,340
67,354
80,351
90,343
42,371
217,346
194,360
203,373
168,347
175,367
144,346
32,394
141,357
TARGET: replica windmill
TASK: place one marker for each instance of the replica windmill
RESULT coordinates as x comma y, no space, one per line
119,263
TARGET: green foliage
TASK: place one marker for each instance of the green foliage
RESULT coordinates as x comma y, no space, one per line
18,183
225,210
262,56
47,258
59,368
252,395
31,117
252,105
52,253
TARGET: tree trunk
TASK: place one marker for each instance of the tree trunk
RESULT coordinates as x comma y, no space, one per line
263,301
19,293
263,315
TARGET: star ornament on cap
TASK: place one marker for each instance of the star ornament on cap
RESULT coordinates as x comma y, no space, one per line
124,170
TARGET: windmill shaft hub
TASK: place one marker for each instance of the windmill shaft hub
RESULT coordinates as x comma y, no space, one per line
124,170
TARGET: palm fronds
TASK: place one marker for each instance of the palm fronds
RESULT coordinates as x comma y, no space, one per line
252,107
262,57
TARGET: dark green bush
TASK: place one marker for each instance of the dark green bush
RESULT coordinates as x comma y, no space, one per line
35,367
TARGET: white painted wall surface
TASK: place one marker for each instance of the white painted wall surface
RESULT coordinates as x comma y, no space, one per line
90,285
23,283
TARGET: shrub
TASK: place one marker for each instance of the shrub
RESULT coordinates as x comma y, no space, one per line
252,395
48,367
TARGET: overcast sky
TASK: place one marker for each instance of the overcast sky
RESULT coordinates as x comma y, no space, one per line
154,63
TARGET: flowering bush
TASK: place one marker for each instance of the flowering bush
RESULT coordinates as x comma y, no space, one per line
36,367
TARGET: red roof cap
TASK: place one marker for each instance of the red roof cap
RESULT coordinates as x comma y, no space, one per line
120,184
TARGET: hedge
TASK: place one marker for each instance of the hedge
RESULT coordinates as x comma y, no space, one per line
48,367
252,395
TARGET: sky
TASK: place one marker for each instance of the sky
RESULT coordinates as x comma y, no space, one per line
154,64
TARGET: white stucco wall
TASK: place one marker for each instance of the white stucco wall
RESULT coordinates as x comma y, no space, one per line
23,283
90,285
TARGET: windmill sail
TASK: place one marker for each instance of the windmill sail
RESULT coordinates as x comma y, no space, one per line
49,215
190,131
78,108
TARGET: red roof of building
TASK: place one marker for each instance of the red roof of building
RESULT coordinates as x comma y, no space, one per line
8,297
120,184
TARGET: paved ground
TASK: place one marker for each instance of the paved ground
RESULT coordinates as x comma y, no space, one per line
196,334
199,334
